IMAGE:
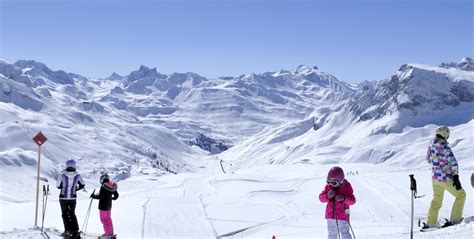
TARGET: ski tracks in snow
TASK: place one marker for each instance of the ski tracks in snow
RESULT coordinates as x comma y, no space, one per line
380,187
144,217
176,217
184,215
285,210
368,201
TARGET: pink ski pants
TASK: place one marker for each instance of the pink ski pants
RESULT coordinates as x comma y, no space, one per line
107,222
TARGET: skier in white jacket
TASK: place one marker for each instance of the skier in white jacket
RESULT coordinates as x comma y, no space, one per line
69,182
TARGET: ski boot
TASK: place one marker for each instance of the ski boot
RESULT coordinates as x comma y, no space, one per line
449,223
71,235
66,234
430,227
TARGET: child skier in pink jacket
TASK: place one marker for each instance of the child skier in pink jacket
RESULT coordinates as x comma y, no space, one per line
339,196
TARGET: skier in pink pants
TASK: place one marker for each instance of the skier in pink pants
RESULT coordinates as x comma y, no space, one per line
107,193
339,196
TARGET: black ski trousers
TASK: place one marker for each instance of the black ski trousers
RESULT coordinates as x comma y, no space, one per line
68,208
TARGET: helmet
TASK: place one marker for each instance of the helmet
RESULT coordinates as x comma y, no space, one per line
336,173
104,178
71,163
442,131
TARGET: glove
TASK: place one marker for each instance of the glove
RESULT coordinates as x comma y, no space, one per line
456,182
81,186
331,194
92,195
340,198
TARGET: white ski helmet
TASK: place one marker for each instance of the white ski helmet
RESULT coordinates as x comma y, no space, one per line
442,131
71,163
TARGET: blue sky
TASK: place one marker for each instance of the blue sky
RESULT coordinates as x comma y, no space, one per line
353,40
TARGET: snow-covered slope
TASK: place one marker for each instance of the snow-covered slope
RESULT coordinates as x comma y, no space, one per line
259,202
286,129
391,121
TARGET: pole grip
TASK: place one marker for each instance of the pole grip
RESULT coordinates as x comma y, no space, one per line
412,182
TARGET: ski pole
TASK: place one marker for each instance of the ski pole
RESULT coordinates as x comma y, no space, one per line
337,223
413,193
350,226
86,220
45,203
346,211
43,206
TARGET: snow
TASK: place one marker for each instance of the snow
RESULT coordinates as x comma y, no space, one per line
286,130
452,73
25,70
279,200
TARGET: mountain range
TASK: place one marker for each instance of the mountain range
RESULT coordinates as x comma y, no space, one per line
152,123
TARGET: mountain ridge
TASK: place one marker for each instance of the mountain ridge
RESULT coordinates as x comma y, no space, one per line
222,113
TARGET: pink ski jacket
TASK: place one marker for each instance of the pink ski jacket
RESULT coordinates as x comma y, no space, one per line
335,209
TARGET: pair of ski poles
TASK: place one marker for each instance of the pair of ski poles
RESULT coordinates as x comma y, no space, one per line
337,223
86,220
45,201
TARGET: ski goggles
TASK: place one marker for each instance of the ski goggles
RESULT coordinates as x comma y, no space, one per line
334,182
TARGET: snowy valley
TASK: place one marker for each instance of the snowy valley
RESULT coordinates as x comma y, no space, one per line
163,138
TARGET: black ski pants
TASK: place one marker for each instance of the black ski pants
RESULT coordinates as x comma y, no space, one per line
68,210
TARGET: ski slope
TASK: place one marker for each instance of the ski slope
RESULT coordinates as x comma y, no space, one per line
280,200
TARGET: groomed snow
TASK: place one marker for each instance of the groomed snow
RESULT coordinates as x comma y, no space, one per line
280,200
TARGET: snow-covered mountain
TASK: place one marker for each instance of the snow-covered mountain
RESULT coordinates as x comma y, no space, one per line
79,126
389,121
147,119
280,132
417,95
115,76
225,109
228,111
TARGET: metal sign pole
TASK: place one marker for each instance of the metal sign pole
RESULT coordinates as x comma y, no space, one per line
39,139
37,184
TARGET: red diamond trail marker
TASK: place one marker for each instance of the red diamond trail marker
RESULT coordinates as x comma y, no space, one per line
40,139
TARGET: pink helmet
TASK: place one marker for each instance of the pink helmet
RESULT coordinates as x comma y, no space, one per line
336,173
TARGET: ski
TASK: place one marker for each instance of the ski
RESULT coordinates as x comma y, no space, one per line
430,229
108,237
96,235
448,223
90,235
